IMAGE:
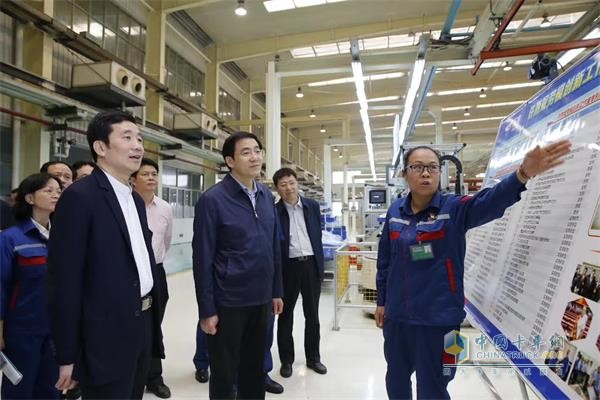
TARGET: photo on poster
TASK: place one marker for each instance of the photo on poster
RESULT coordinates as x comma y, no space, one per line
595,225
561,357
586,281
577,319
584,375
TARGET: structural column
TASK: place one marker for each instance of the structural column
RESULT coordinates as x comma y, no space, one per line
35,55
212,81
327,174
155,62
273,120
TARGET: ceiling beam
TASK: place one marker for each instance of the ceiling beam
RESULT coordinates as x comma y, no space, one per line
266,46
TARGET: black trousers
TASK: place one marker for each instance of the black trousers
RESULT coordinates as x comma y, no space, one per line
300,277
132,385
236,352
155,373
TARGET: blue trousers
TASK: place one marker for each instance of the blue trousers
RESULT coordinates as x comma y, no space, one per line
33,356
409,348
201,355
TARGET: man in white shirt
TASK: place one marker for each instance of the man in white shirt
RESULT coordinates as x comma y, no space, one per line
104,308
160,222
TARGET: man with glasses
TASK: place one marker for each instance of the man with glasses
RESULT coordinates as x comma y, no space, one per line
237,270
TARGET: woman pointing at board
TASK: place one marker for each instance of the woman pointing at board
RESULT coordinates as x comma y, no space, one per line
420,264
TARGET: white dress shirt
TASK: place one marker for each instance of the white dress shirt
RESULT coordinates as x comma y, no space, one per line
160,222
136,236
299,241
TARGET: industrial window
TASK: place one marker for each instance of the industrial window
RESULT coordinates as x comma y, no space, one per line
229,106
107,25
6,147
7,39
183,78
181,189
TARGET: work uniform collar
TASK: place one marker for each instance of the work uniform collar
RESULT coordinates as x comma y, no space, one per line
435,203
234,186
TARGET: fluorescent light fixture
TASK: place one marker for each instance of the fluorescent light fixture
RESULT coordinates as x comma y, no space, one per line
426,124
240,9
518,85
458,91
507,66
482,94
415,82
322,130
299,93
283,5
455,108
279,5
335,149
500,104
463,121
312,114
570,55
467,112
480,175
454,127
340,155
359,82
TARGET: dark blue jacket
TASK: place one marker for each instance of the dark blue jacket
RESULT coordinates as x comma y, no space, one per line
236,253
312,218
93,283
23,268
430,291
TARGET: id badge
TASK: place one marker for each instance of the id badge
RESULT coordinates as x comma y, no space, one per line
421,252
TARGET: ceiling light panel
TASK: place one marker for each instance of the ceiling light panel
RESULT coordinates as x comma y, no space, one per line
302,52
401,41
326,49
308,3
380,42
501,104
518,85
279,5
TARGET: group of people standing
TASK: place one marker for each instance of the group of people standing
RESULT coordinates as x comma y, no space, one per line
84,291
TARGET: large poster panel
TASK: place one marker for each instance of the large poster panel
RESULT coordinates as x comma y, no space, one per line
532,278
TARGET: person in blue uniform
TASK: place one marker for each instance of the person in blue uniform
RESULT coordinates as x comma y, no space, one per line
24,332
420,265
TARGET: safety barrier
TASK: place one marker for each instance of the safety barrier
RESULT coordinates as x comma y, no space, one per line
354,278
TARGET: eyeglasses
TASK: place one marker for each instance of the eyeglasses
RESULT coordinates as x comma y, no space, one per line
247,153
419,168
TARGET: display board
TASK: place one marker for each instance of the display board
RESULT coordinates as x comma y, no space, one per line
532,278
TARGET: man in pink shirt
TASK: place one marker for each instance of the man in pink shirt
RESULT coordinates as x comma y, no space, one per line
160,222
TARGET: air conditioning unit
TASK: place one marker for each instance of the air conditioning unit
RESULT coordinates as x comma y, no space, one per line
107,84
195,126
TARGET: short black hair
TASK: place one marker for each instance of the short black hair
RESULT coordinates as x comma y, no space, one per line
282,173
100,127
230,142
46,165
422,147
146,161
22,209
79,164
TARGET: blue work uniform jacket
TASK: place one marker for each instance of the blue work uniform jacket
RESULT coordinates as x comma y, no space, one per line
23,267
430,291
236,248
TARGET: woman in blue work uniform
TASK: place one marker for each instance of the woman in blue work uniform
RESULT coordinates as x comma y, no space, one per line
420,265
24,335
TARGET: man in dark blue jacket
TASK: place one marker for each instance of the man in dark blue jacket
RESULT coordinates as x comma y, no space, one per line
104,306
237,270
302,259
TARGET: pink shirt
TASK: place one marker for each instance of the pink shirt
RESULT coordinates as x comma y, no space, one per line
160,222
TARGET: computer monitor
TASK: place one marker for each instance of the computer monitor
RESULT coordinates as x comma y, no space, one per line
378,196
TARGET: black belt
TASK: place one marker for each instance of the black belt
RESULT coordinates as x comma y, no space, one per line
146,302
301,258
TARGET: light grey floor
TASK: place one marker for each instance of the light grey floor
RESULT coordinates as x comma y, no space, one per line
353,355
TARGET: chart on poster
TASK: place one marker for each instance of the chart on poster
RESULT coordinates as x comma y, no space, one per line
533,276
